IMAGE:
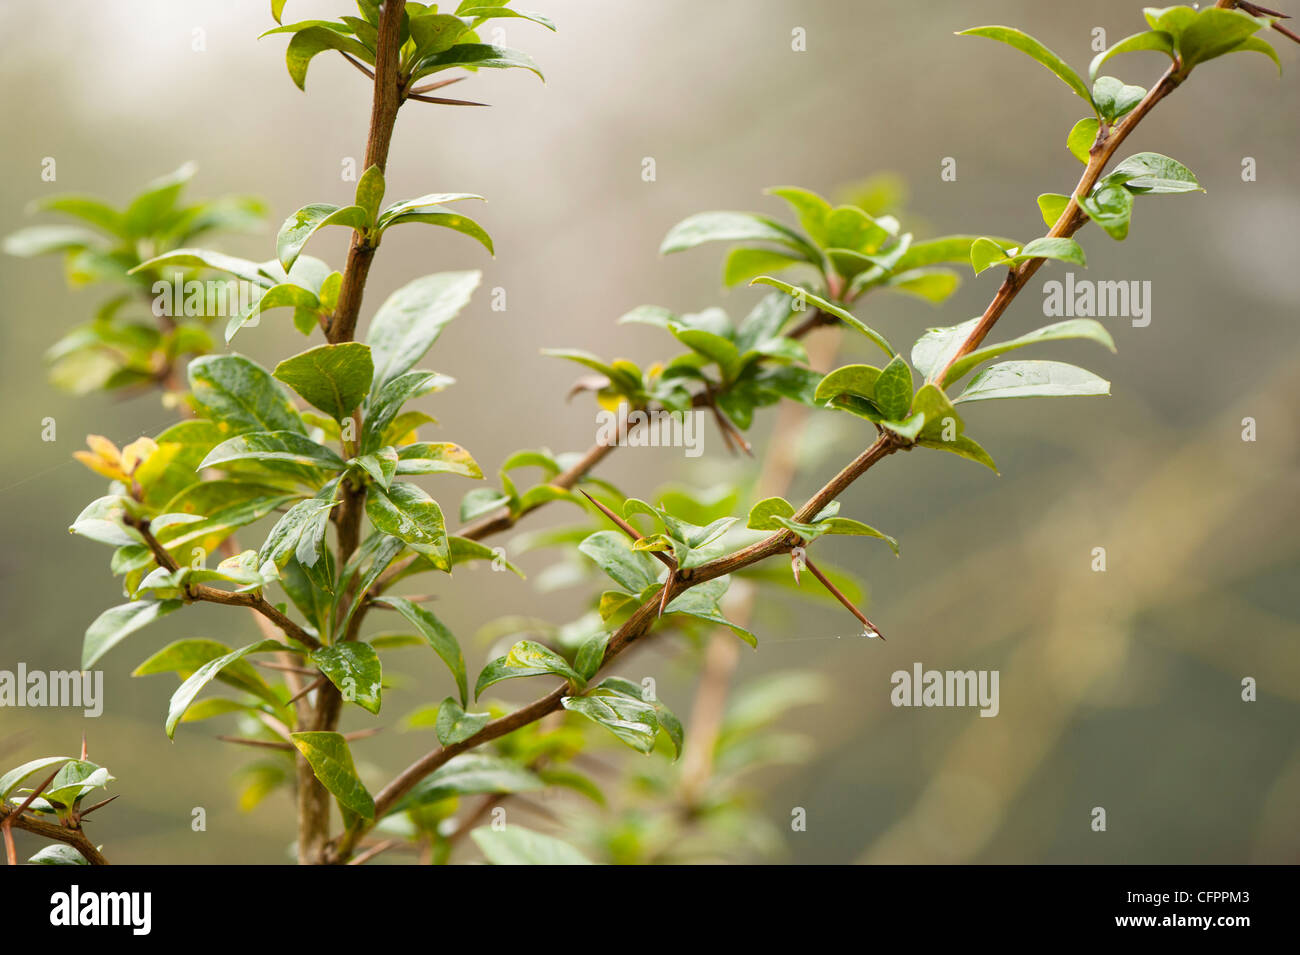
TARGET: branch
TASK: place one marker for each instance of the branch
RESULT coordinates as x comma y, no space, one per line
1069,222
49,830
253,601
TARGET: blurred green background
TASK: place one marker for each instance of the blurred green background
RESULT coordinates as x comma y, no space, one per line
1118,689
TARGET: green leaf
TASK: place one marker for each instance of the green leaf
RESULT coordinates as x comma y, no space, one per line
632,570
1114,99
1088,328
715,348
527,658
304,223
385,406
1154,174
948,248
631,720
438,636
1033,379
284,295
412,318
58,854
187,691
986,253
186,657
117,623
848,526
434,32
333,378
406,511
490,11
1150,40
440,457
455,725
10,780
1253,44
962,446
202,258
893,393
848,227
309,42
810,208
762,515
354,668
283,446
239,393
1031,47
370,193
1109,205
933,285
1052,205
471,774
476,56
1214,32
515,845
450,220
480,501
857,380
44,239
734,227
743,264
1082,135
803,296
150,208
669,724
937,346
331,761
430,202
621,379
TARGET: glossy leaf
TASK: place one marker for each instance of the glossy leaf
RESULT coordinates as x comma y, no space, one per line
412,318
117,623
331,762
1033,48
455,725
304,223
438,637
515,845
1086,328
526,658
1033,379
241,394
802,295
204,675
333,378
354,668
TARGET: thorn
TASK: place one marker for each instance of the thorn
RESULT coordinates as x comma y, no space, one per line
262,743
835,591
283,667
443,101
663,598
315,684
358,64
83,746
103,802
1257,9
430,87
795,561
628,529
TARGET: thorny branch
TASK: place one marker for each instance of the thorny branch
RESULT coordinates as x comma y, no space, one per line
1070,221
